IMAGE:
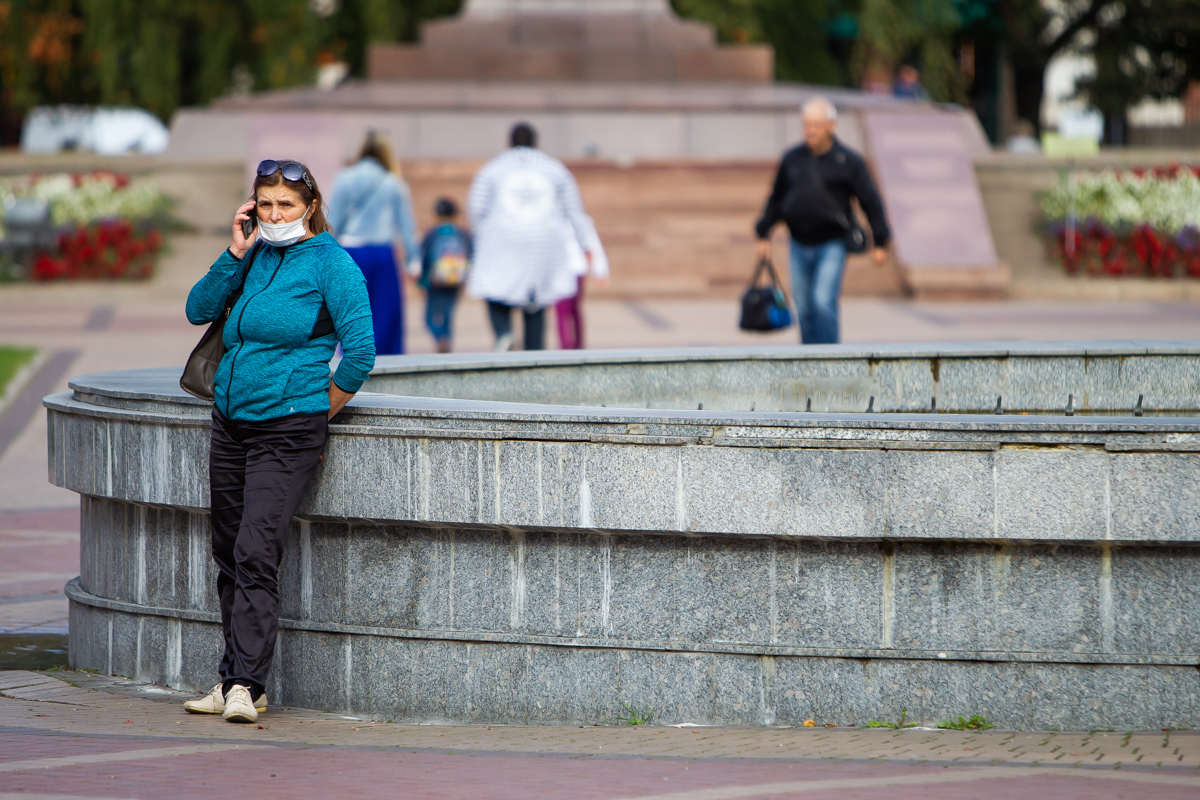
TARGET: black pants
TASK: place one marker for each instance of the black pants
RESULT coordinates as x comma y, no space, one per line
535,323
257,472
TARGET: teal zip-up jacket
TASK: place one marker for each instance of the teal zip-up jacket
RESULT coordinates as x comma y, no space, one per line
297,304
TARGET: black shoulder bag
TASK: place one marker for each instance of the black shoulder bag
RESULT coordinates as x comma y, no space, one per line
856,237
201,367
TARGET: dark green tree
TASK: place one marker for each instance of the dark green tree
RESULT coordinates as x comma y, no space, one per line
161,54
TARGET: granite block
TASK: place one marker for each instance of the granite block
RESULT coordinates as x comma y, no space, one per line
312,670
570,685
833,493
486,683
824,690
153,638
971,384
88,628
403,680
725,591
733,490
634,487
1051,494
829,594
692,687
940,495
519,484
364,478
552,582
201,581
647,589
201,649
1167,382
1155,496
972,597
449,484
906,384
1155,605
166,556
1043,383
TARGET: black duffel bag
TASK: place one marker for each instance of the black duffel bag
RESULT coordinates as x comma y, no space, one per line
765,308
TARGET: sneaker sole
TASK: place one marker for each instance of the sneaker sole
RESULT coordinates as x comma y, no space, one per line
261,710
242,718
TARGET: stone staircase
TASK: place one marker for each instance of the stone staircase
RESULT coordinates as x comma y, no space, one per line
671,229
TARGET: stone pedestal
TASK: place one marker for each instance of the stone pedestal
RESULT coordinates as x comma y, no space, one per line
671,530
572,40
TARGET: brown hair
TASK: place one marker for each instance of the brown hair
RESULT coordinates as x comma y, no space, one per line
376,147
316,222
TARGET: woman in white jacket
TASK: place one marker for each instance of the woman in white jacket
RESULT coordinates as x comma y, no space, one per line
525,213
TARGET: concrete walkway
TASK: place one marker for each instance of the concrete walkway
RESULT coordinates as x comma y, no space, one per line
73,735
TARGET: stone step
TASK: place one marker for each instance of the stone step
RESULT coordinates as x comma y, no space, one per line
671,229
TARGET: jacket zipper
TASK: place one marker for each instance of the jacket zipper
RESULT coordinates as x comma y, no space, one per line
241,341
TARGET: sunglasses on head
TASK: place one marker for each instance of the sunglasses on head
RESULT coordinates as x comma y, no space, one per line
292,170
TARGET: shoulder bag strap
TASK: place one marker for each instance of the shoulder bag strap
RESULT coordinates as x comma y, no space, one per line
810,162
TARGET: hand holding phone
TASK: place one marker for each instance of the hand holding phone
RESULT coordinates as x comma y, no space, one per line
245,224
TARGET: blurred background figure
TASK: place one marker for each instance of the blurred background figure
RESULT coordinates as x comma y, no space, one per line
811,195
526,213
370,210
587,256
908,84
445,260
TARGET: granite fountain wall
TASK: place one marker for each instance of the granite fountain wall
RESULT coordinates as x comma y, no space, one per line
550,537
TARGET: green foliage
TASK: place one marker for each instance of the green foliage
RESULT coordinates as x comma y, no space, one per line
635,716
899,724
11,361
161,54
803,33
922,31
975,723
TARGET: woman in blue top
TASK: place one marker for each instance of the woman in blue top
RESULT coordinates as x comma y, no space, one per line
301,296
370,209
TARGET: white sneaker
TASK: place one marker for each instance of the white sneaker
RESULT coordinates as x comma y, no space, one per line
505,343
238,707
214,703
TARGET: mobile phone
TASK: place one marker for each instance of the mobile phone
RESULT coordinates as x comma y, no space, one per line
248,225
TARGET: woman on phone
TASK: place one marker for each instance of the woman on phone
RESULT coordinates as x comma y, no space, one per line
273,399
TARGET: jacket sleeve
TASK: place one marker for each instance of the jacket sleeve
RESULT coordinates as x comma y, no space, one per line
479,197
773,212
405,223
572,205
338,206
872,204
206,300
345,294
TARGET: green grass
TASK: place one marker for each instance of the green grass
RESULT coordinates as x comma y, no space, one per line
898,725
635,716
975,723
11,361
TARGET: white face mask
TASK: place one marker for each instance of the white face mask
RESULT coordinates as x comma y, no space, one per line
284,233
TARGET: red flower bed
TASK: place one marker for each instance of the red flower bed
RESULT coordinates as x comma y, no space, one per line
1092,248
113,249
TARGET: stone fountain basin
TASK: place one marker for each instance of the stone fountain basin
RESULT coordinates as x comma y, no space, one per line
544,537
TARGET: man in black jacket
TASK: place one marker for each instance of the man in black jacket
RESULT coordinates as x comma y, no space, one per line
819,217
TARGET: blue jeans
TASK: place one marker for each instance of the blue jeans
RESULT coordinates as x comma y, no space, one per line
817,283
439,312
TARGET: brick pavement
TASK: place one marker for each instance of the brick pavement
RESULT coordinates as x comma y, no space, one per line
84,736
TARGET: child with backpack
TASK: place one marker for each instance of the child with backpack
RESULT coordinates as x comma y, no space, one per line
445,260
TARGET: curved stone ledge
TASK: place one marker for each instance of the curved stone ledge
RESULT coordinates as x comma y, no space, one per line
485,682
468,559
76,594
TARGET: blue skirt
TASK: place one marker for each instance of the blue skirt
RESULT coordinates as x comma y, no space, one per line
378,265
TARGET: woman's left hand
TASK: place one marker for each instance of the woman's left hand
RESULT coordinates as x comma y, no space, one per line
337,399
